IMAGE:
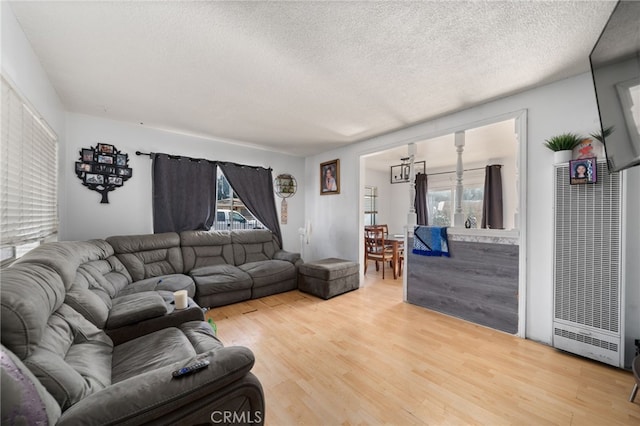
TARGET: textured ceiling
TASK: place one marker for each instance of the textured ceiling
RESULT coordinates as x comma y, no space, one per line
302,77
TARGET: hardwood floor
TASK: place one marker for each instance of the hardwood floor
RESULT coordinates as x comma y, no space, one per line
365,357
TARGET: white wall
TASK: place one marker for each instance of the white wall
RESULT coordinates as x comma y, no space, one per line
568,105
380,180
23,70
129,210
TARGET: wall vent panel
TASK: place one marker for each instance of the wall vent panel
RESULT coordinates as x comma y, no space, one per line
587,264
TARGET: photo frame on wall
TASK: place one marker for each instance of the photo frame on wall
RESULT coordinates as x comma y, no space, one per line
582,171
87,155
330,177
103,168
400,173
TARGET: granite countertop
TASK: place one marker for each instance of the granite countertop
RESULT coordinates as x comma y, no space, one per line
495,236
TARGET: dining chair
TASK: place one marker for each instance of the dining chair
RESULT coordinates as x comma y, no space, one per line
400,259
375,249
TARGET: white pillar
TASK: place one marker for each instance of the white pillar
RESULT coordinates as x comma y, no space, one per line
412,218
516,214
458,217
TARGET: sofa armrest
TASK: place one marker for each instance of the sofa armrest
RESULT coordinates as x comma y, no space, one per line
288,256
157,397
136,307
193,312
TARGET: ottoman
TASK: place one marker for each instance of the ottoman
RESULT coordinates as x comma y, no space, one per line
328,277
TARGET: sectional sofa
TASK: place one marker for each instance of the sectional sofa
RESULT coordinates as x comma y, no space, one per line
90,334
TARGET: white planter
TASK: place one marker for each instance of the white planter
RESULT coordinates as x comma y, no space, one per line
562,156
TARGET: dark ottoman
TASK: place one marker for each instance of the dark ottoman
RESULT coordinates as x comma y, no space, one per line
328,277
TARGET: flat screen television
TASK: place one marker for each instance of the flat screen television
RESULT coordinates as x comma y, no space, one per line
615,68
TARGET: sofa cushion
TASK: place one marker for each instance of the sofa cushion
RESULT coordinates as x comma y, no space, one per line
253,245
65,257
155,350
106,275
136,307
220,279
205,248
24,399
162,348
170,283
29,294
73,359
148,256
268,272
96,283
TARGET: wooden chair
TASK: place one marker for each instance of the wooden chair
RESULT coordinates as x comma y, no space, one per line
375,249
635,367
400,259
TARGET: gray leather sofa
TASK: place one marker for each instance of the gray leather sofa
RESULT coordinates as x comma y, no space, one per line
229,267
90,334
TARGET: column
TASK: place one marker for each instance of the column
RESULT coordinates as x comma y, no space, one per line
458,217
412,217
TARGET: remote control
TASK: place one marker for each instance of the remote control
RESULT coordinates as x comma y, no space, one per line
184,371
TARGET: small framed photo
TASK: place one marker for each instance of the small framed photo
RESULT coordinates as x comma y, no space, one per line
400,173
83,167
94,179
87,155
104,148
583,170
105,159
104,169
126,172
121,160
114,180
330,177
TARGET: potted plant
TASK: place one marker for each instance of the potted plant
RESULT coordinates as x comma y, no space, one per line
599,136
562,146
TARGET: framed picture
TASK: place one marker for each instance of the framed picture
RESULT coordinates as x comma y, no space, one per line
105,159
104,168
94,179
104,148
121,160
83,167
583,170
124,172
115,180
87,155
400,173
330,177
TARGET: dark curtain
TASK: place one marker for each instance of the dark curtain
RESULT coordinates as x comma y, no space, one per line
422,210
492,202
184,193
254,186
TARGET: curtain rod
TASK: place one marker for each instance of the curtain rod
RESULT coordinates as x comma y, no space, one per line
465,170
178,157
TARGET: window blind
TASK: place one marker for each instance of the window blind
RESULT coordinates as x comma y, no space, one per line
28,171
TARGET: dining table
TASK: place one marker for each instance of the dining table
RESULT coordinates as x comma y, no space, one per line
396,242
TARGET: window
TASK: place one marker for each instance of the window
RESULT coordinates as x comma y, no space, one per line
231,213
29,180
441,197
370,205
440,207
